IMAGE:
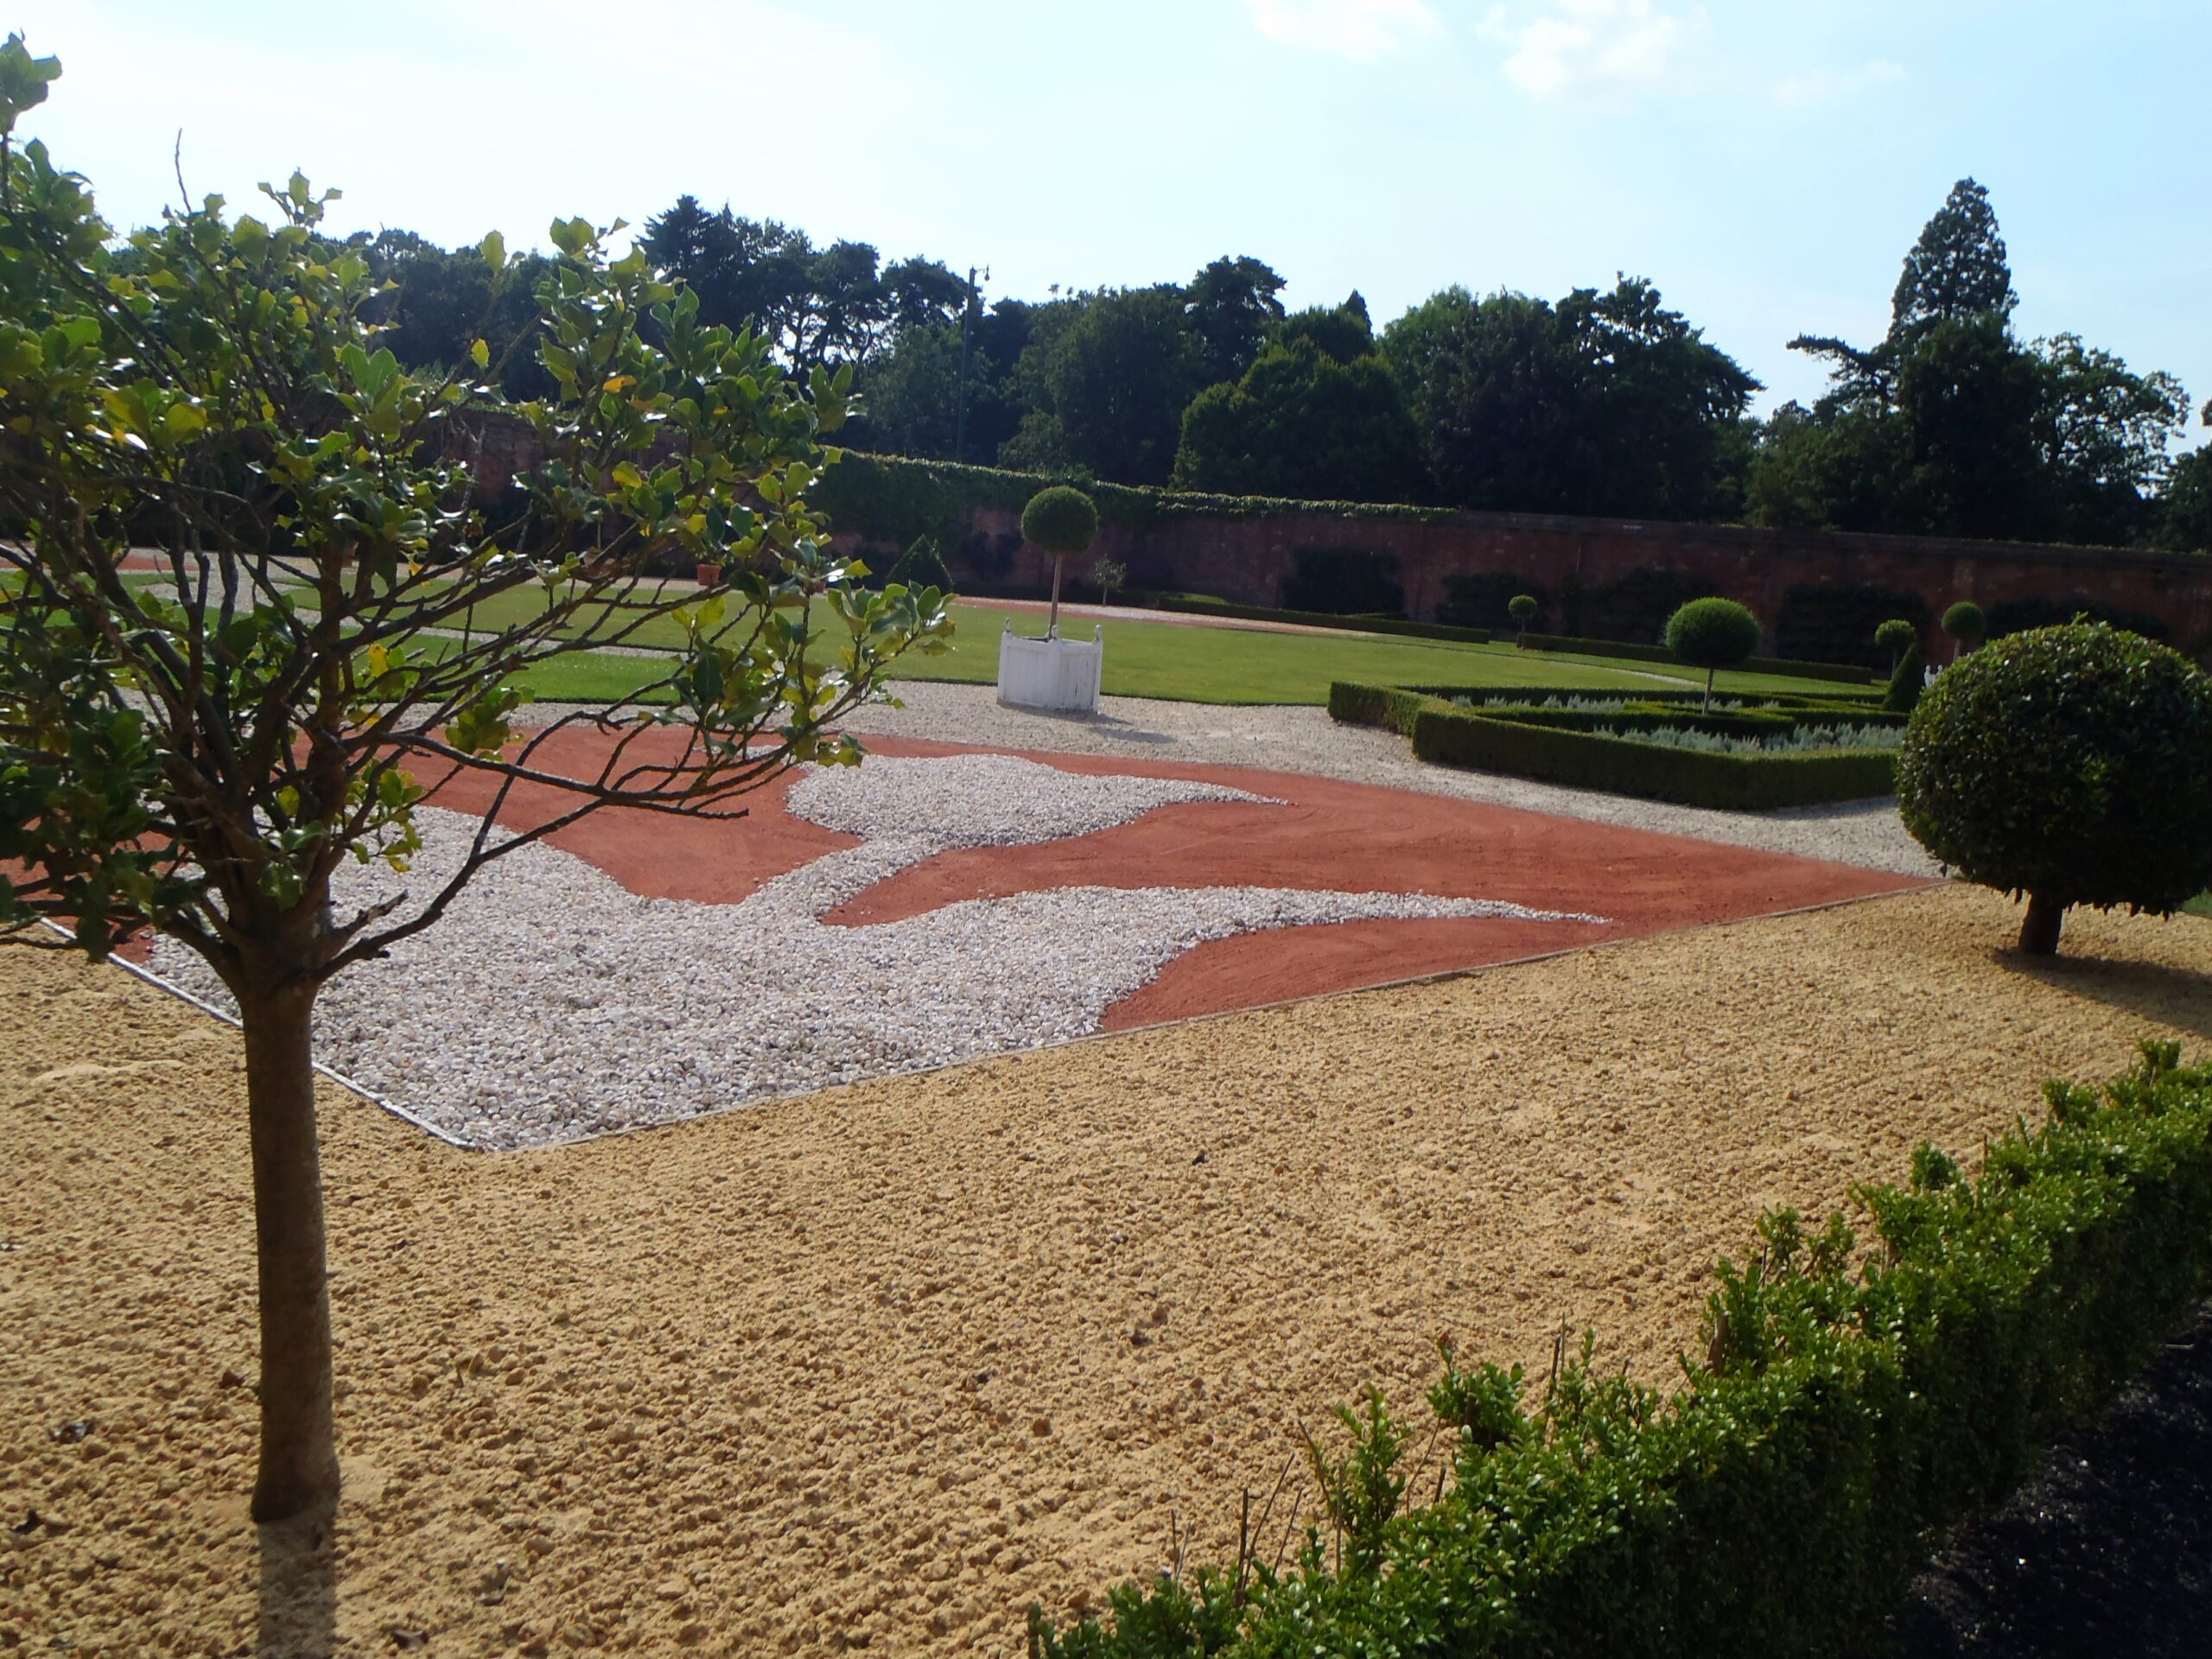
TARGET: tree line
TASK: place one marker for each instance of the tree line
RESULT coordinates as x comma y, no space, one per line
1604,401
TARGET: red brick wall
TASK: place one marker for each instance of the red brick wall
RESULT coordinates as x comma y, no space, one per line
1245,560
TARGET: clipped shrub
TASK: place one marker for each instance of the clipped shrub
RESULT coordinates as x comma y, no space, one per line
1846,1404
1634,609
1836,623
920,566
1909,680
1523,608
1107,574
2019,615
1484,599
2073,765
1060,520
1897,636
1966,624
1712,634
1344,582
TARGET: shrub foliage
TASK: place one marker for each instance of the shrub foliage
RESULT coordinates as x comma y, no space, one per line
2071,763
1846,1403
1713,634
1060,520
1965,623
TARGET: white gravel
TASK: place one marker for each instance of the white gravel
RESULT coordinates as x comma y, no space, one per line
552,1004
1866,833
1291,738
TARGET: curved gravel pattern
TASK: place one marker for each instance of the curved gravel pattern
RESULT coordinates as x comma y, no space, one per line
553,1005
1865,833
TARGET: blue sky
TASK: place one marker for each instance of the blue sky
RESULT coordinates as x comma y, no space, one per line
1766,164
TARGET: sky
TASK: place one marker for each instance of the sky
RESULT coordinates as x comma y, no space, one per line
1766,163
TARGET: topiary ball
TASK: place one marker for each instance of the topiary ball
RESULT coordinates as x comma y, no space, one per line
1059,520
2072,764
1965,623
1897,636
1712,633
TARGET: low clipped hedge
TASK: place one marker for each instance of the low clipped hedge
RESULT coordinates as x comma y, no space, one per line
1193,605
1848,1405
1502,732
1843,673
1728,783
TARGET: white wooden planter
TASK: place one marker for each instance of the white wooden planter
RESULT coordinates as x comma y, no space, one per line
1058,673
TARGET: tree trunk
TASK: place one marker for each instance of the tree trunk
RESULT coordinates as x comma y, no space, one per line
1052,626
1709,673
299,1452
2039,932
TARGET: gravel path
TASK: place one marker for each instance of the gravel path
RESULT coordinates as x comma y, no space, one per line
891,1362
1866,833
554,1005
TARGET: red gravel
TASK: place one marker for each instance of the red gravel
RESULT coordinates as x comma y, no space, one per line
1325,836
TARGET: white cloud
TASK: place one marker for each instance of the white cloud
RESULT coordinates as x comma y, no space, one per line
1803,92
1361,30
1592,45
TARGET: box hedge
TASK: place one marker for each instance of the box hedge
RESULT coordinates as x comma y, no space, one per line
1728,783
1843,673
1847,1405
1505,729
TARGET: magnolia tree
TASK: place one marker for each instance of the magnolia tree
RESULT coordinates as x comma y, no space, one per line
197,747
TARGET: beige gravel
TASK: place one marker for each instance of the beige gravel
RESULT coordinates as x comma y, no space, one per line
880,1366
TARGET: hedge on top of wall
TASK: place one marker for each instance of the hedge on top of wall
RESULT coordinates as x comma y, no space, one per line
889,498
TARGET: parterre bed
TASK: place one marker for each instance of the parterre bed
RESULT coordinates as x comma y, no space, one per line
876,1367
939,905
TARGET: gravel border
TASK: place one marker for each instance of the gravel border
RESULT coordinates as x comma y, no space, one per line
1301,739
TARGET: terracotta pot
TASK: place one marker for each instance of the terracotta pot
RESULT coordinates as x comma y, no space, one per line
709,575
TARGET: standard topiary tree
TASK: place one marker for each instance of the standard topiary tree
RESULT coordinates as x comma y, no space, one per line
1712,634
1060,520
1521,607
2071,763
1107,574
1897,636
1966,626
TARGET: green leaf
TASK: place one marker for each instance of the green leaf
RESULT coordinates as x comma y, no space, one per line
23,80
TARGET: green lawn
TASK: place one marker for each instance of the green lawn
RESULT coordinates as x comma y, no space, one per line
1205,663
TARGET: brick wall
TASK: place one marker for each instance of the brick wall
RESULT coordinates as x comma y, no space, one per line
1246,559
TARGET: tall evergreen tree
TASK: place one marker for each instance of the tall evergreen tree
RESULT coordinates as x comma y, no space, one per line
1957,270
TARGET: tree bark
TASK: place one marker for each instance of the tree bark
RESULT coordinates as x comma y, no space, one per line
1052,625
1709,673
299,1451
2040,932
